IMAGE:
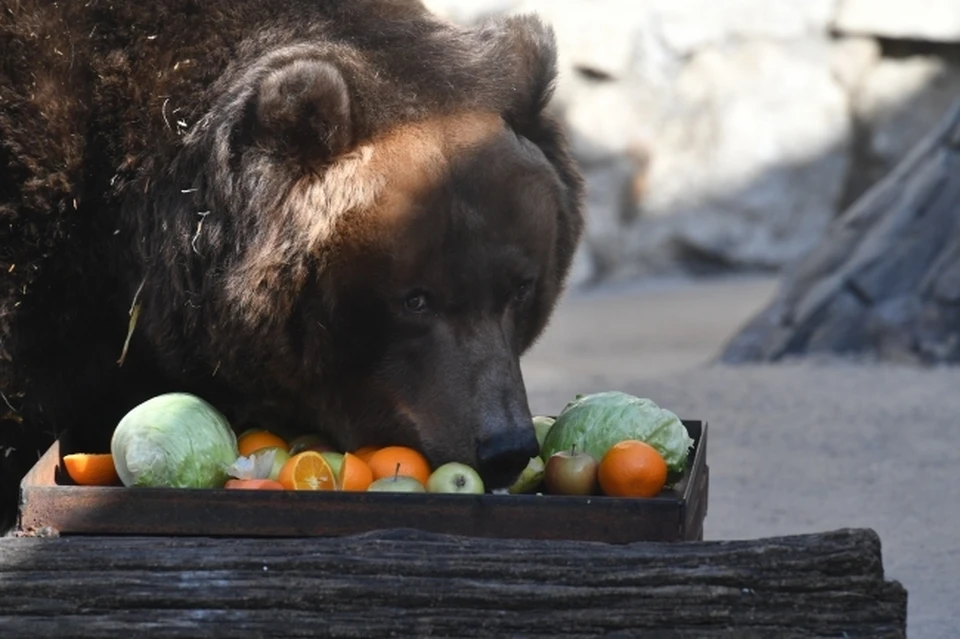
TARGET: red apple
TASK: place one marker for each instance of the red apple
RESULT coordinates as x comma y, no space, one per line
571,472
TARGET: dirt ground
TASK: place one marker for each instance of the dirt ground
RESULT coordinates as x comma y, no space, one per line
794,448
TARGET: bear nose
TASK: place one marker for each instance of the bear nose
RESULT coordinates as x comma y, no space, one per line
501,457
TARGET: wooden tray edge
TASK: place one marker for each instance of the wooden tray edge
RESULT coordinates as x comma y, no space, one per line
46,504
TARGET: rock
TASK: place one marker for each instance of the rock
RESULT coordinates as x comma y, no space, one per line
750,158
690,25
851,59
892,327
607,121
596,37
894,107
609,139
935,20
583,270
901,97
885,280
610,201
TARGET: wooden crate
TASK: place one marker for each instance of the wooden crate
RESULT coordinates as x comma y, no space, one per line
48,500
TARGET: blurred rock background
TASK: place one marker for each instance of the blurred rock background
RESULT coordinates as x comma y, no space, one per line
723,136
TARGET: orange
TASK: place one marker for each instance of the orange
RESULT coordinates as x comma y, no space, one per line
91,469
632,468
253,440
307,471
399,460
355,474
253,484
366,452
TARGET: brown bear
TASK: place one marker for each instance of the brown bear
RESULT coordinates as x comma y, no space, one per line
343,217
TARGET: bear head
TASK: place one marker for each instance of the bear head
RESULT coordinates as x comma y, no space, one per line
364,257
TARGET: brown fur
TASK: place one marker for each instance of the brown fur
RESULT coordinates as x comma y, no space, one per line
269,181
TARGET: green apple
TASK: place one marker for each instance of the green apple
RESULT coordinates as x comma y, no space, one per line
542,424
454,477
571,472
397,484
280,457
334,459
530,479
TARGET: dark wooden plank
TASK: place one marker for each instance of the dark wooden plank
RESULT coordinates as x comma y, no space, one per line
676,514
410,583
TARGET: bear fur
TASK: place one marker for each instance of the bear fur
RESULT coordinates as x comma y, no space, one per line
342,217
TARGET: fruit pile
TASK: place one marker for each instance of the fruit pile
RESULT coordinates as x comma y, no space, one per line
630,468
309,464
608,443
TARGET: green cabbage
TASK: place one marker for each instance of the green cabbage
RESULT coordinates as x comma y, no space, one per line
596,422
175,440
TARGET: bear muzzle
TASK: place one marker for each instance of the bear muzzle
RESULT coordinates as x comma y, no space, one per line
502,456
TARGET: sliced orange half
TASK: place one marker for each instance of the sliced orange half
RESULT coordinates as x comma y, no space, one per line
91,469
307,471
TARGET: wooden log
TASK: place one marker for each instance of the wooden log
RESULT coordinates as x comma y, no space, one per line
411,583
884,282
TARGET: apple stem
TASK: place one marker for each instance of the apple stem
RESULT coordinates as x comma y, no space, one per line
396,473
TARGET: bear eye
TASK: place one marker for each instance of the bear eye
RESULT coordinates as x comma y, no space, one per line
415,302
523,291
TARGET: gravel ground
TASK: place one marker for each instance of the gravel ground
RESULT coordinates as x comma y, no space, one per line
794,448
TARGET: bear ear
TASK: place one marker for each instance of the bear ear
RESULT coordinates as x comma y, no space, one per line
530,45
301,110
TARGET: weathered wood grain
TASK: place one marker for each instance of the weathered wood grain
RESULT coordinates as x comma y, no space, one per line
409,583
884,282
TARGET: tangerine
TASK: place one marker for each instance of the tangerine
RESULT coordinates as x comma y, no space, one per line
366,452
91,469
399,460
632,468
355,474
307,471
253,440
